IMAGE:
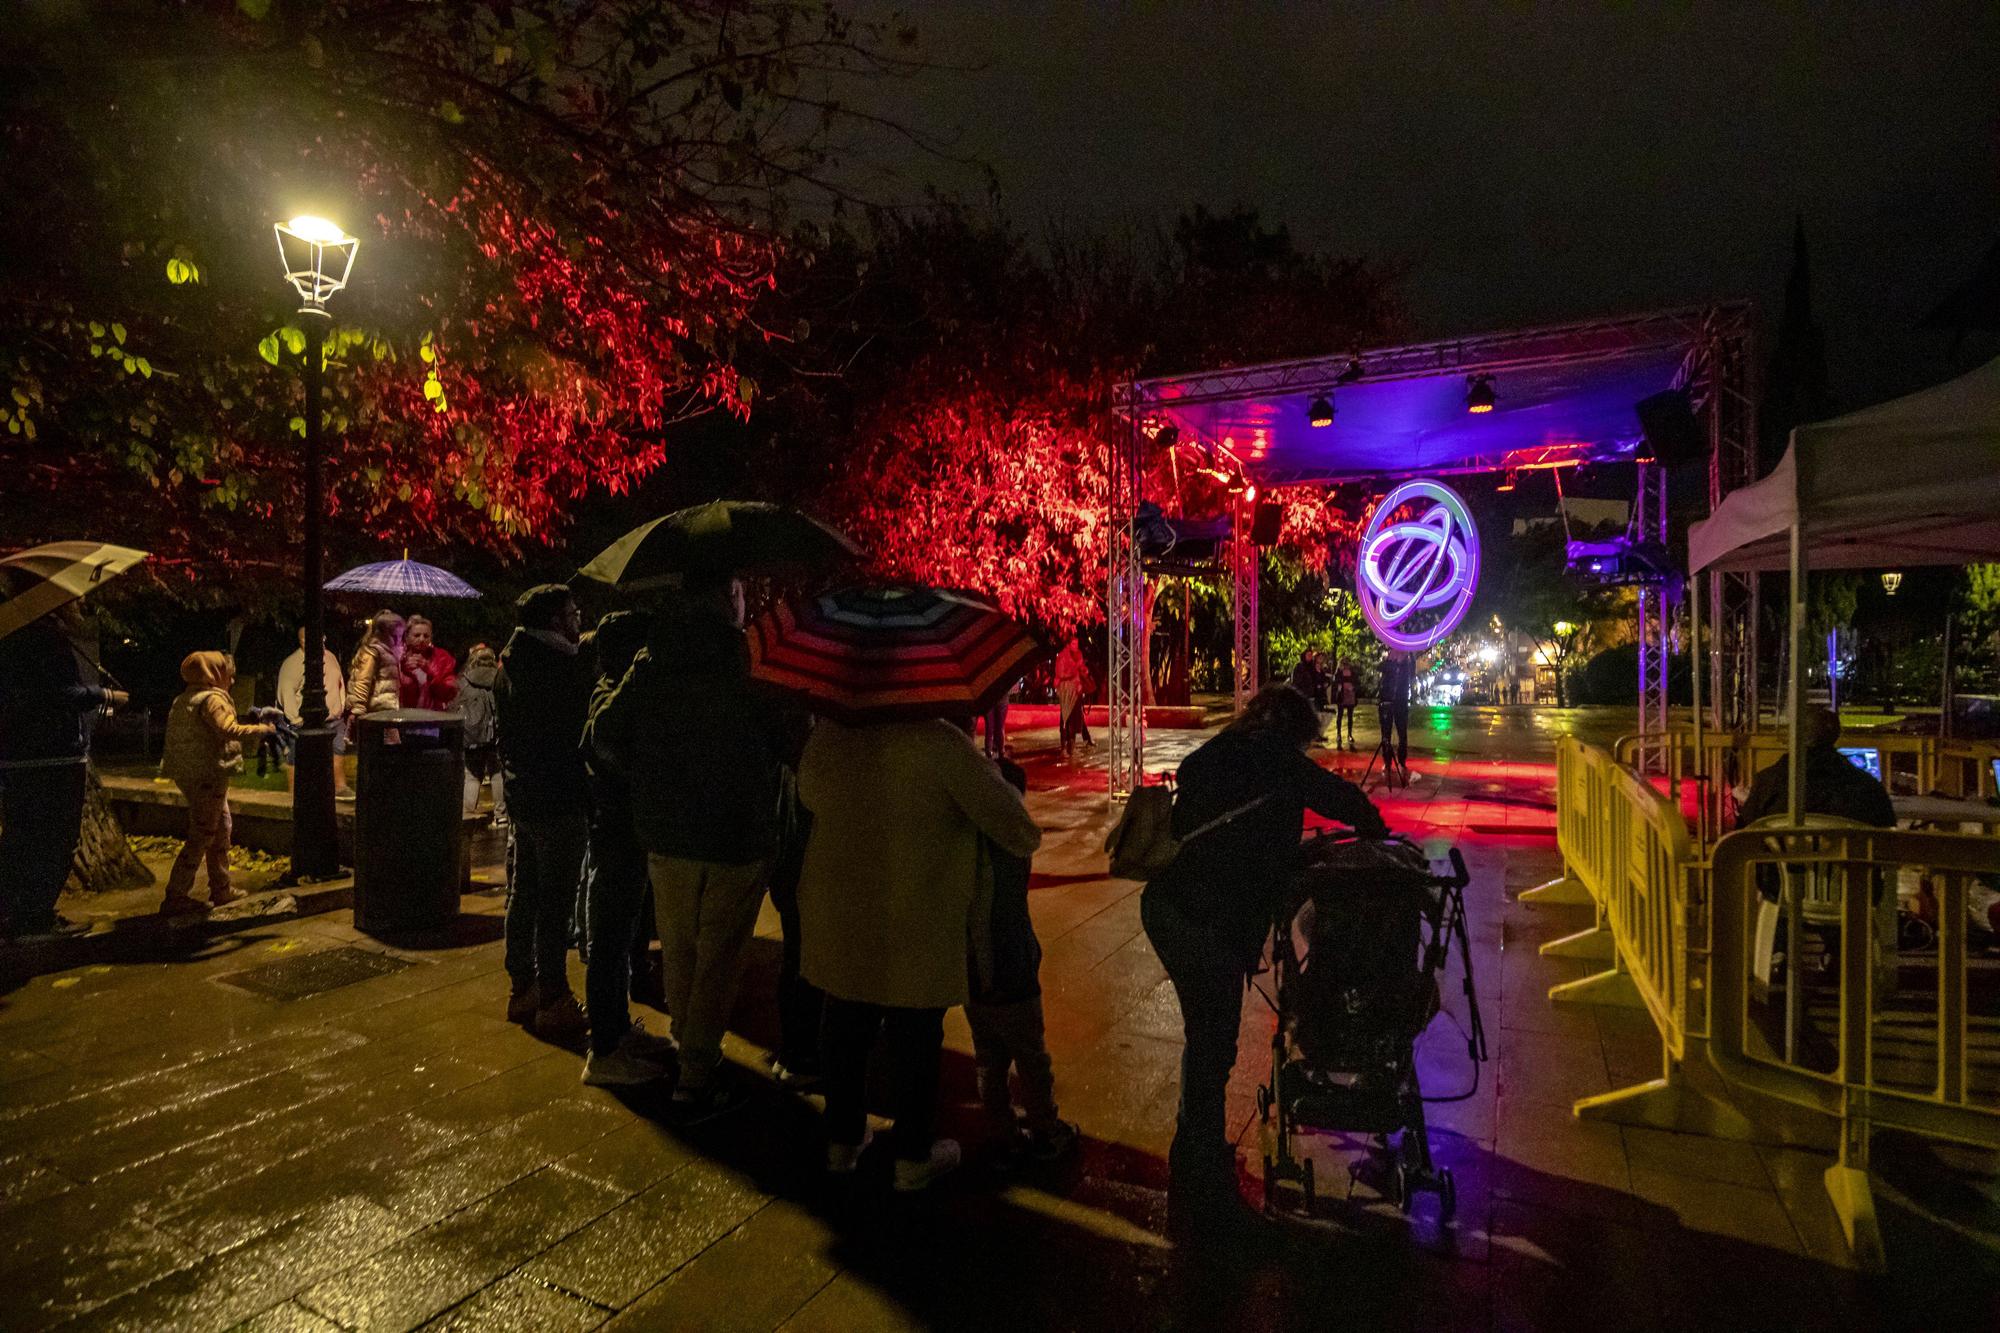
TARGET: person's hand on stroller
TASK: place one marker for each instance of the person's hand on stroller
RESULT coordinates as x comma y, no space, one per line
1373,829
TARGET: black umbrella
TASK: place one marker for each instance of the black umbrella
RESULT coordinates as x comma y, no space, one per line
721,537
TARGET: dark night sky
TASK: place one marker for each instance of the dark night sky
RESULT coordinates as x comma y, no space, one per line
1527,164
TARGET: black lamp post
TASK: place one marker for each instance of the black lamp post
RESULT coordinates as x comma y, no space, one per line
318,257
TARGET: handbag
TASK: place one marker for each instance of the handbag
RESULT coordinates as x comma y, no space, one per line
1142,843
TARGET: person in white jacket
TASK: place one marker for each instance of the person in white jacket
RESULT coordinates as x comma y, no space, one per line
291,696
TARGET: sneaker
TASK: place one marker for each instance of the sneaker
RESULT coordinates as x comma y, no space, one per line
561,1020
914,1176
224,897
179,904
620,1068
842,1159
344,797
704,1102
647,1045
793,1077
59,927
1054,1142
499,821
521,1006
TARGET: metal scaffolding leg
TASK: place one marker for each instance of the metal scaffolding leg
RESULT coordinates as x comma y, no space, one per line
1125,619
1244,565
1655,627
1726,382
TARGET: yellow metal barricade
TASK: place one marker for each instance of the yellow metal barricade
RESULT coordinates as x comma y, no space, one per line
1852,1082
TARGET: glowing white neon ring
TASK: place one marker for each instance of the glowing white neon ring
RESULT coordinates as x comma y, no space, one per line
1429,563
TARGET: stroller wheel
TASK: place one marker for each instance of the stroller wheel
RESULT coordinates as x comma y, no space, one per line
1406,1188
1263,1103
1447,1196
1270,1188
1306,1180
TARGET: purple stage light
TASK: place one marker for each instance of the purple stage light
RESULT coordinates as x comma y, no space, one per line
1415,577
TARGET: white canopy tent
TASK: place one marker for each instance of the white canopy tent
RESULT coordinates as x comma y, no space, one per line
1914,481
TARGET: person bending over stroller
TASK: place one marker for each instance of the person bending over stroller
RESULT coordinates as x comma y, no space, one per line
1243,797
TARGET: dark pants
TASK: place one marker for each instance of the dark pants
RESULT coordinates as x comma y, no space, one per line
996,730
614,899
1073,728
915,1038
41,814
544,870
1343,716
800,1003
1394,715
1210,992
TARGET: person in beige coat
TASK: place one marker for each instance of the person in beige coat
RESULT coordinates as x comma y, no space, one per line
885,908
204,746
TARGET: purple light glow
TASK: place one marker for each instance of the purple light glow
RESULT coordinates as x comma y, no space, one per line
1412,566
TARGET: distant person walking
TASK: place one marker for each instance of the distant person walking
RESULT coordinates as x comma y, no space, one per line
698,746
429,674
374,680
49,693
543,695
885,904
1308,679
1399,671
478,707
1346,696
621,1050
291,700
1073,690
204,746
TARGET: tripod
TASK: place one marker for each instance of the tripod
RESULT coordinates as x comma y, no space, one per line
1392,768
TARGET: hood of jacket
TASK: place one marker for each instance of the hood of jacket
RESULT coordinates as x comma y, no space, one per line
208,669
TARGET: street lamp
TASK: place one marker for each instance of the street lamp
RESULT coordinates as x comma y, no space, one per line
318,258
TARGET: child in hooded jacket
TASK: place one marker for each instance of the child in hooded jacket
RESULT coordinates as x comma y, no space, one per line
204,746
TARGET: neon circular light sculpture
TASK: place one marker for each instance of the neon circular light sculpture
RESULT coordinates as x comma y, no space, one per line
1418,565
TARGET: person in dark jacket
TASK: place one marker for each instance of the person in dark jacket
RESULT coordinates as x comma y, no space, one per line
1207,913
696,742
541,696
48,696
621,1050
1833,785
1005,1009
1399,674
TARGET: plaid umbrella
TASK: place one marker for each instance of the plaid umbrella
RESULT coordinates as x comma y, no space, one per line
36,581
722,537
402,578
883,653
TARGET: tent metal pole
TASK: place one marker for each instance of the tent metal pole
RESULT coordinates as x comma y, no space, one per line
1796,684
1694,677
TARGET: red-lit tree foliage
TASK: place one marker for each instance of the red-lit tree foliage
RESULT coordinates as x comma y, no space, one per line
565,210
972,451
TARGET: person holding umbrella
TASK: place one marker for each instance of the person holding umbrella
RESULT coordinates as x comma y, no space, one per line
699,748
49,693
48,696
900,798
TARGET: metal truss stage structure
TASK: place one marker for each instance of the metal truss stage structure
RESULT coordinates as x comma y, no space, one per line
1566,396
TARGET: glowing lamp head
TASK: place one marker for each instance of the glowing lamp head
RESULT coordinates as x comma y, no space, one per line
1479,398
1892,580
1321,412
1250,495
318,258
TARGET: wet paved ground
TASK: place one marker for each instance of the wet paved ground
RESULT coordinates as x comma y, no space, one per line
180,1152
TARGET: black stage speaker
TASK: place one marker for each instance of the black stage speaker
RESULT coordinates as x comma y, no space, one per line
1672,433
1265,522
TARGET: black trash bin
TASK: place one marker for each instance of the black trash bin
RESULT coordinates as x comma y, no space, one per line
409,831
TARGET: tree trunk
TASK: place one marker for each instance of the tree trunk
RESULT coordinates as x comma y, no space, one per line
104,861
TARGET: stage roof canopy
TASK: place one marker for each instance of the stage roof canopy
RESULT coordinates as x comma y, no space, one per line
1562,395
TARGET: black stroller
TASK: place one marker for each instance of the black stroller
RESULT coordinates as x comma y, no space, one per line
1356,955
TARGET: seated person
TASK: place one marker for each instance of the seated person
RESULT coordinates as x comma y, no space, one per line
1834,786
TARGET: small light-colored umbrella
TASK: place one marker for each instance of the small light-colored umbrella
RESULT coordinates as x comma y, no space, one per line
720,537
36,581
886,652
402,578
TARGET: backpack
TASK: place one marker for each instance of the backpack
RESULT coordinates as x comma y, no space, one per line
1142,843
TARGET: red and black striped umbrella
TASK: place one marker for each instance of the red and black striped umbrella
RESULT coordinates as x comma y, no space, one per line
896,652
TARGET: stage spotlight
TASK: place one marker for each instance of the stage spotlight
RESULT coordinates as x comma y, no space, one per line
1169,436
1507,483
1352,373
1321,412
1250,495
1479,398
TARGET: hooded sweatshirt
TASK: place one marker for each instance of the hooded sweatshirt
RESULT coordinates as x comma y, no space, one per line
204,739
475,698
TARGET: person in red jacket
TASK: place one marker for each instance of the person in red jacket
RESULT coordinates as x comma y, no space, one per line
430,674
